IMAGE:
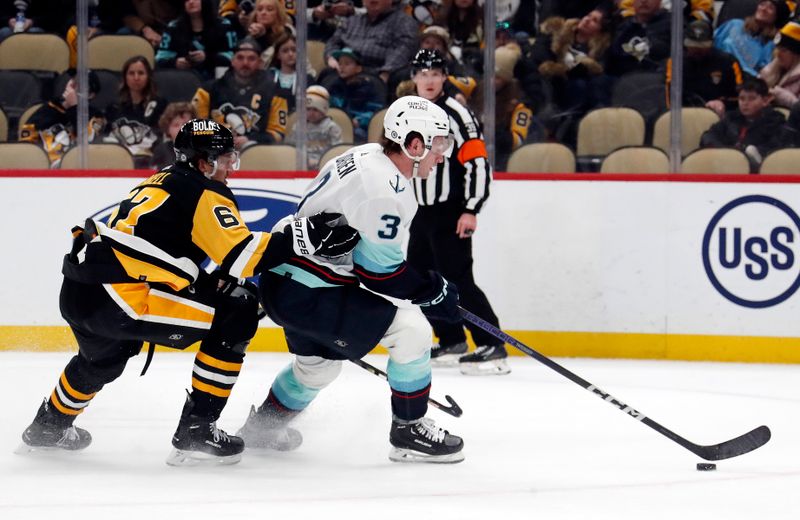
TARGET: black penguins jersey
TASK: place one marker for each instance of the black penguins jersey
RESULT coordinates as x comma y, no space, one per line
53,127
181,213
136,126
255,110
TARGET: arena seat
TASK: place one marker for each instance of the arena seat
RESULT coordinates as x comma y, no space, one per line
315,50
375,128
337,114
3,126
23,156
271,157
716,160
603,130
100,157
642,91
694,122
636,159
333,151
109,88
25,116
175,84
34,52
111,51
782,162
541,158
18,90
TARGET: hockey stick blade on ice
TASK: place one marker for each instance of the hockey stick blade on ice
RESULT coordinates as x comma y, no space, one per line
724,450
453,409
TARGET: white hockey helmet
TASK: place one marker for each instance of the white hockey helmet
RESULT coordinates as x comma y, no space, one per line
415,114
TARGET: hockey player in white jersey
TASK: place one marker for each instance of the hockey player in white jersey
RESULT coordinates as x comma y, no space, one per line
328,316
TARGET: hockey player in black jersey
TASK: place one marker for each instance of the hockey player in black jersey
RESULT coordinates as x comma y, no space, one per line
138,279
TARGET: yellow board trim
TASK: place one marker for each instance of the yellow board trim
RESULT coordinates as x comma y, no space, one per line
690,347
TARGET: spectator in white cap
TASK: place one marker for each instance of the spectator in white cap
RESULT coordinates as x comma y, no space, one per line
783,72
322,132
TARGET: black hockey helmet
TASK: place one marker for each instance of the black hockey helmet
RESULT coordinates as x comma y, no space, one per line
202,139
427,59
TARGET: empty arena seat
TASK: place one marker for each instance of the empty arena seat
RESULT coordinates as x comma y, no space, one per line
716,160
694,122
271,157
636,159
175,84
541,158
111,51
34,52
100,157
782,162
23,156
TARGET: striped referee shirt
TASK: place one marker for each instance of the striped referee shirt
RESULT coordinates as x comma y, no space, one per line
466,174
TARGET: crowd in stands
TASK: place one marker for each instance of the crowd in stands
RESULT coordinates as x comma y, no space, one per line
555,61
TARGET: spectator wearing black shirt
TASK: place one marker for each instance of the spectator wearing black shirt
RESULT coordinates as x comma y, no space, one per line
197,40
754,127
133,122
642,41
710,77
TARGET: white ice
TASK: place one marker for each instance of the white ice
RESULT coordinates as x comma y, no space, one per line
537,446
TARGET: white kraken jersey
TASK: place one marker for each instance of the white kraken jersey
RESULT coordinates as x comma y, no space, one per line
374,198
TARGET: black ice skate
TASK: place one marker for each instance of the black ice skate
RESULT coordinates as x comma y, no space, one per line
268,431
53,431
447,356
198,441
489,360
423,441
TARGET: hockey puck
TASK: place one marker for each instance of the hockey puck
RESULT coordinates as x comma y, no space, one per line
706,466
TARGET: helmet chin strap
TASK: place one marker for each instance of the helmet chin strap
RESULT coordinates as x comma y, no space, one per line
417,160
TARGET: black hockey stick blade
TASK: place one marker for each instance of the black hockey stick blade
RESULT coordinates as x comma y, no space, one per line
725,450
733,448
453,409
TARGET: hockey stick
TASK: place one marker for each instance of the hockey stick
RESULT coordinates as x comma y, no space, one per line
453,409
724,450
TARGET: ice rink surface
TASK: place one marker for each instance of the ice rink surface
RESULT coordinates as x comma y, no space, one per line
537,446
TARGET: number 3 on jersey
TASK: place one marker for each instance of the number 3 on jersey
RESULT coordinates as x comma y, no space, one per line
390,227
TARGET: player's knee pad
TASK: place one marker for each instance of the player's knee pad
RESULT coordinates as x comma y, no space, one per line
409,336
316,372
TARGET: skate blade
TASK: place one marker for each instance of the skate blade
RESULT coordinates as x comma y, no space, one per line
26,449
411,456
284,439
494,367
197,458
446,361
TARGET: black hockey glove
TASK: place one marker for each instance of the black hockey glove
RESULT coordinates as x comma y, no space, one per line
323,234
441,301
227,287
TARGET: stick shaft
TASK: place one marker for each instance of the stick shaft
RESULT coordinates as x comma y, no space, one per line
738,446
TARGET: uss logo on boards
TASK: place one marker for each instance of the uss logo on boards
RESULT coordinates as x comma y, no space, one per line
751,251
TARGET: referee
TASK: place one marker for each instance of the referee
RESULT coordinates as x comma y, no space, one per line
441,233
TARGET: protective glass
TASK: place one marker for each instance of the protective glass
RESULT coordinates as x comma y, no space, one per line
228,161
442,145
